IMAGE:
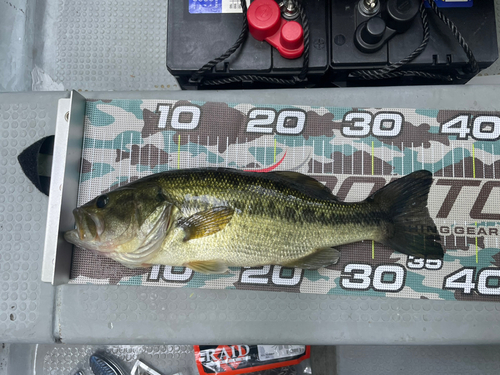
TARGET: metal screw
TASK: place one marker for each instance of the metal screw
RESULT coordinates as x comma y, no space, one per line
289,10
66,116
370,4
369,7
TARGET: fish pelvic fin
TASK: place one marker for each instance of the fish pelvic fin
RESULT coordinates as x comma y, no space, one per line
206,223
410,229
321,257
208,266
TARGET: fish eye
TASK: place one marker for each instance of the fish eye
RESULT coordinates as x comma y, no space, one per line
102,201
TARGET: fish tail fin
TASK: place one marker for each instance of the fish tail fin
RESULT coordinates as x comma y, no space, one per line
411,230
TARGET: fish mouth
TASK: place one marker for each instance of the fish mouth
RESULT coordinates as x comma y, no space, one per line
89,226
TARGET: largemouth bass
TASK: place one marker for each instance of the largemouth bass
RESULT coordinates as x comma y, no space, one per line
212,219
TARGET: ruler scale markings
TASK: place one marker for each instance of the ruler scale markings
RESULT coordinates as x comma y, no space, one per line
412,160
102,175
342,158
402,159
332,155
484,164
188,159
237,152
198,152
84,153
373,242
423,157
373,162
169,150
392,155
303,149
208,143
455,170
160,149
493,161
453,161
217,151
433,160
149,158
265,153
463,160
383,158
139,163
109,181
477,251
362,160
473,161
455,237
246,153
323,159
179,152
312,157
91,166
120,168
352,158
442,160
274,156
130,161
255,148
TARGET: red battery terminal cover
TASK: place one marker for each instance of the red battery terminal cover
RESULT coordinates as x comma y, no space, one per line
265,23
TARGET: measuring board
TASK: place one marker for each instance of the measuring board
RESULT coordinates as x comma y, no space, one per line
353,151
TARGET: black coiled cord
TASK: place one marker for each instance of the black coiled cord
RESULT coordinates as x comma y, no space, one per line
198,76
473,65
392,71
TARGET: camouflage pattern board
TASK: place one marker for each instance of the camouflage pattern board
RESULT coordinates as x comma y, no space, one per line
354,151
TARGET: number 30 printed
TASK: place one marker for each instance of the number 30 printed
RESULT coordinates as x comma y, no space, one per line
382,278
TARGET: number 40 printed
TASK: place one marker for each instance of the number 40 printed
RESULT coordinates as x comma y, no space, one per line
486,282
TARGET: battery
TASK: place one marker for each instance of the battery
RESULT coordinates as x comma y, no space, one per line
196,36
443,54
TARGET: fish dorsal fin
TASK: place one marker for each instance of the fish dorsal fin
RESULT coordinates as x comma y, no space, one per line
208,266
321,257
307,185
206,223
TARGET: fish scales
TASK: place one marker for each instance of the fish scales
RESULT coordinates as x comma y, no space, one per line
273,223
211,219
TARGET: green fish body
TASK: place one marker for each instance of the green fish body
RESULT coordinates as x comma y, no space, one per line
212,219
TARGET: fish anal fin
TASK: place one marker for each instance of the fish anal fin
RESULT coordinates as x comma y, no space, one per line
321,257
206,223
208,266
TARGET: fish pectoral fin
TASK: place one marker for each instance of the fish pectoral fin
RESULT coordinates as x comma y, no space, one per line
321,257
307,185
208,266
206,223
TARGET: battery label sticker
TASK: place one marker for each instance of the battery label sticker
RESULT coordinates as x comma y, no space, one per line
452,3
215,6
267,352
